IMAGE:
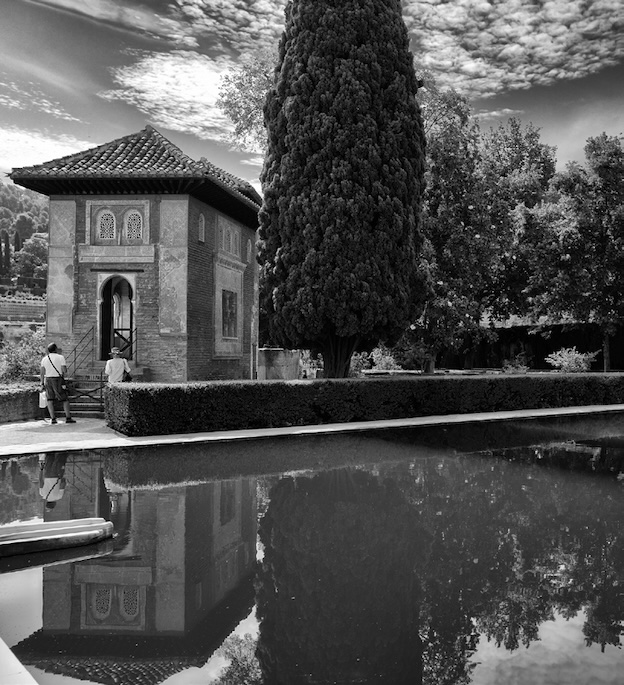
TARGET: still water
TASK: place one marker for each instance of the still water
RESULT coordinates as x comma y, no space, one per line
473,555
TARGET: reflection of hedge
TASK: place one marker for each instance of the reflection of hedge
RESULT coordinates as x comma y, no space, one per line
337,593
158,409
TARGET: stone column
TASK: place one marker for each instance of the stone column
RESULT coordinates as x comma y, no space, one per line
60,297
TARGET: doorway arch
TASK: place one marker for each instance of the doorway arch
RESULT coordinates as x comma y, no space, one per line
117,317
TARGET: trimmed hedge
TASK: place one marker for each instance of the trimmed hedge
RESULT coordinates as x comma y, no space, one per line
158,409
19,402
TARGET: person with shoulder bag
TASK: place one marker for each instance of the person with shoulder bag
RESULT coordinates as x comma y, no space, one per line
117,368
52,371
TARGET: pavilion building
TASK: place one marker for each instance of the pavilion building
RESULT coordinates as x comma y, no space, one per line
153,252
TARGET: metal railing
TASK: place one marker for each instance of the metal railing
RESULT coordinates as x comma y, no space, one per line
83,353
128,347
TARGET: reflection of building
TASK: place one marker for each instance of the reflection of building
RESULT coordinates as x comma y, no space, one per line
153,252
156,605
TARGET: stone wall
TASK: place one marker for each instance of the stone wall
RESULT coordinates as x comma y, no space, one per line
277,363
14,309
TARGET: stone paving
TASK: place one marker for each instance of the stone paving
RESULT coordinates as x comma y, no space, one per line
31,437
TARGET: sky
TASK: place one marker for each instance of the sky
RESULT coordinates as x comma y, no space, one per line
75,74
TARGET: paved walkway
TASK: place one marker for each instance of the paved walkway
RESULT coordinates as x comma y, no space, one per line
31,437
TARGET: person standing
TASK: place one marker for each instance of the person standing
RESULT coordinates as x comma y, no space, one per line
52,371
116,366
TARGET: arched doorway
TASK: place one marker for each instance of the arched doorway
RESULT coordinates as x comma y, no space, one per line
117,318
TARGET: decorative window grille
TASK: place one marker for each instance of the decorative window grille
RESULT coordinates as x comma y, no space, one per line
101,602
129,603
134,226
106,226
228,240
201,229
229,309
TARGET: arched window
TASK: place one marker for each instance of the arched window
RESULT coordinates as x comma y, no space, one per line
107,229
249,250
228,240
133,225
201,229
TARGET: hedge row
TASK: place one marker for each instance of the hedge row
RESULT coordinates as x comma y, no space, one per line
158,409
19,402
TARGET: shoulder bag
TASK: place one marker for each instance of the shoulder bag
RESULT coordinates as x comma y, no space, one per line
63,382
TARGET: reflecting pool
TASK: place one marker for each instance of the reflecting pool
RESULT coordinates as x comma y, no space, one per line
470,555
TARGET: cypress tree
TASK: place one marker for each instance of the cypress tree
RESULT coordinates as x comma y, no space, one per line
342,181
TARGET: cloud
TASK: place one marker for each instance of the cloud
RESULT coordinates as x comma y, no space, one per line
128,15
176,90
26,96
483,49
238,26
485,115
253,161
25,148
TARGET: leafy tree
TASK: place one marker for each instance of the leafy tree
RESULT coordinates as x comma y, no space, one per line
24,225
242,94
342,181
20,358
462,246
32,259
575,242
517,168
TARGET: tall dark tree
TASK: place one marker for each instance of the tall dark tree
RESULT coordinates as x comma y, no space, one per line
5,253
342,181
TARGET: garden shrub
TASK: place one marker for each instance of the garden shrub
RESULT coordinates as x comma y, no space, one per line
159,409
22,358
570,360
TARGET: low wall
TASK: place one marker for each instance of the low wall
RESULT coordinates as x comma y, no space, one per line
275,363
13,309
19,405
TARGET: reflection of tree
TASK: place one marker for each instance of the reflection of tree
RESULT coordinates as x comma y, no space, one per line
337,591
243,667
19,499
514,538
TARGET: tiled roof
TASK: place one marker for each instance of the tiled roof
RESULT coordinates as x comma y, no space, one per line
146,154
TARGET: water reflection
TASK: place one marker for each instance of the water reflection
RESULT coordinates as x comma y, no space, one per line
177,582
392,571
396,574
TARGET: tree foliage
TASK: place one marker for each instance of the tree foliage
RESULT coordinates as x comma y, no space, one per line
242,93
342,181
574,242
32,260
22,214
366,573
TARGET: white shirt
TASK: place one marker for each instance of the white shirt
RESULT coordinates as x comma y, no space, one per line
114,369
58,360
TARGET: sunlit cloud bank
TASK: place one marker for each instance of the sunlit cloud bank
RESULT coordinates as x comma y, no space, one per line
26,148
483,49
176,90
